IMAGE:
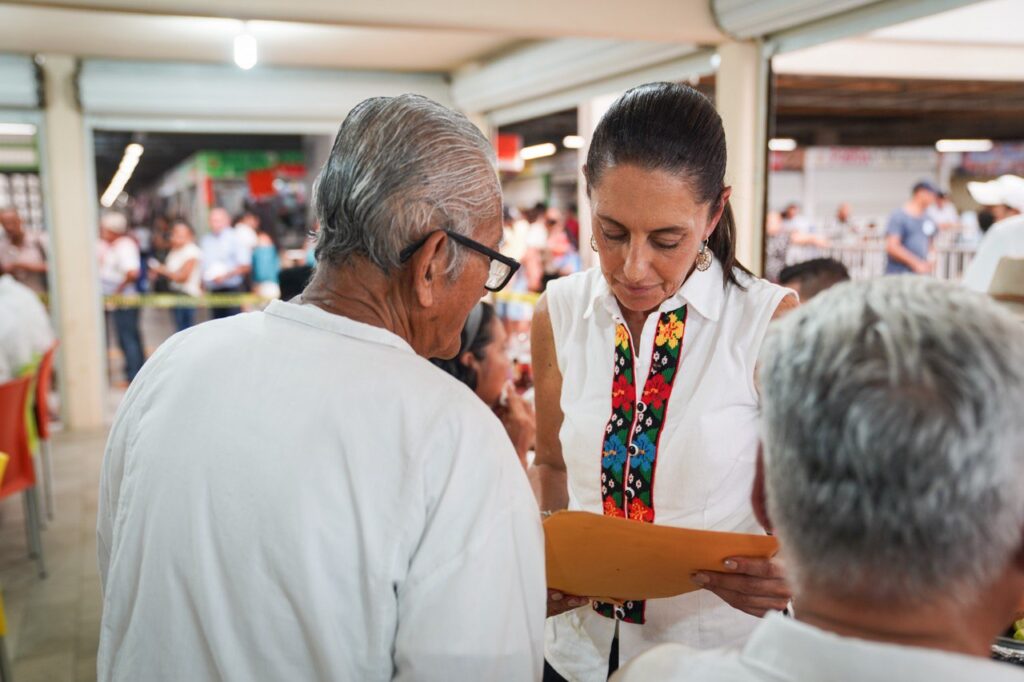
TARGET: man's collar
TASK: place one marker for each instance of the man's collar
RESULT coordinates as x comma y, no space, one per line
313,316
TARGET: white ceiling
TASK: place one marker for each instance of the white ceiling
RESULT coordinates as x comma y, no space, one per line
89,33
983,41
996,22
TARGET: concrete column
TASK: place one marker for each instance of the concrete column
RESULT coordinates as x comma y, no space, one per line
741,95
588,115
74,284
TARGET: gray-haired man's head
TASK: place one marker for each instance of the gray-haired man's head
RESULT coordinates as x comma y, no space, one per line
402,167
893,426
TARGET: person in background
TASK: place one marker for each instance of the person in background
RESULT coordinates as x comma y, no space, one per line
119,271
943,213
297,493
25,329
891,474
783,244
22,253
842,226
226,261
793,219
483,364
247,229
572,225
182,270
1004,197
266,267
911,233
536,247
559,257
516,314
810,278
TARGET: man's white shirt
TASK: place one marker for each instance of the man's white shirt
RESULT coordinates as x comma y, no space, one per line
292,495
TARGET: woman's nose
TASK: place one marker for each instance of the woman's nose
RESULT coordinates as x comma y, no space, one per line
635,267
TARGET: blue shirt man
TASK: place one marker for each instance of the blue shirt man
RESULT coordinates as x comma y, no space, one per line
910,232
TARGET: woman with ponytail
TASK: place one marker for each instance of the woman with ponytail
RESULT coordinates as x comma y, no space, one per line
647,404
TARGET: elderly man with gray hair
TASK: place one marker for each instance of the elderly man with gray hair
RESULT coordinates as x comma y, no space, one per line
298,494
893,476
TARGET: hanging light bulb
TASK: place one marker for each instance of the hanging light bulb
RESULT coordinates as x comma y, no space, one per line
245,49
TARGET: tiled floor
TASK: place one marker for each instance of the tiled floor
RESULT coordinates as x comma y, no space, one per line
53,624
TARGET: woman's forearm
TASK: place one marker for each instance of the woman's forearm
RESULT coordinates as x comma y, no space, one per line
550,485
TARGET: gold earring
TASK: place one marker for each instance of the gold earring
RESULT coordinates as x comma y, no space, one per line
593,242
704,257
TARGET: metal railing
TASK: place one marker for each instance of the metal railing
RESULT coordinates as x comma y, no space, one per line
867,259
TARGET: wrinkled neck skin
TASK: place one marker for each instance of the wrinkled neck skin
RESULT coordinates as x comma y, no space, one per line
935,624
361,292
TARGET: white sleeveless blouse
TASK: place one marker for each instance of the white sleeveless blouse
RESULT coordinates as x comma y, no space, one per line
706,455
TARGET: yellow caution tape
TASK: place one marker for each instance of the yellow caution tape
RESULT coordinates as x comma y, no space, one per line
236,300
182,301
516,297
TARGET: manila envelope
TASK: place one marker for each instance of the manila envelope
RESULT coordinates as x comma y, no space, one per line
591,555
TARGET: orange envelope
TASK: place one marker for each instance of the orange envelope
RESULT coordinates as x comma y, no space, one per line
602,556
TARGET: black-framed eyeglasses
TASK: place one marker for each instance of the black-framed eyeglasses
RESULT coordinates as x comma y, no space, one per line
502,267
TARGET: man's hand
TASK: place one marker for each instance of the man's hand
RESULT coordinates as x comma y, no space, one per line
751,584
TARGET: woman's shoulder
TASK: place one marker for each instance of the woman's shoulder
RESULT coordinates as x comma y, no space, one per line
577,287
753,293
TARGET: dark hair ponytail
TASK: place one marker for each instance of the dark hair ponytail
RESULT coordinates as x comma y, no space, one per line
672,128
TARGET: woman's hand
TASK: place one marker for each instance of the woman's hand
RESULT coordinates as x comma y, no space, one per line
753,585
519,421
559,602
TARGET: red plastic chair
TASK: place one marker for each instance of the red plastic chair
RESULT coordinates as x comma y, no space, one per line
44,377
20,476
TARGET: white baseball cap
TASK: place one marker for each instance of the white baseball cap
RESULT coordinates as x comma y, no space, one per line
1006,190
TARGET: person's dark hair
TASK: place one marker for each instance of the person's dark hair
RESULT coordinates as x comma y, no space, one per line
182,221
672,128
814,276
985,219
476,337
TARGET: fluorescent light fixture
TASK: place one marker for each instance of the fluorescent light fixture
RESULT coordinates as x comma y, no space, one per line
573,142
537,151
782,144
17,129
245,51
129,161
947,146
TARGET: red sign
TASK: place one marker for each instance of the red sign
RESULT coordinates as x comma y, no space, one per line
507,145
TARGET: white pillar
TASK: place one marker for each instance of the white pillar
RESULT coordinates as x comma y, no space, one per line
741,95
74,284
588,115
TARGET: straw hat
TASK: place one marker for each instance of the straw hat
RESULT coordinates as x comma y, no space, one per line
1007,285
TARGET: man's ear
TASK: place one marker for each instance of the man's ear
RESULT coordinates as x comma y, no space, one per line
758,497
428,265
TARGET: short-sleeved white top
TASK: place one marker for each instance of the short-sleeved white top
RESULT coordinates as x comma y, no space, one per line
706,456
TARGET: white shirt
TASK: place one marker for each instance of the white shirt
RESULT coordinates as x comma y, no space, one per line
246,237
292,495
25,332
705,462
177,259
785,650
116,261
1005,239
29,312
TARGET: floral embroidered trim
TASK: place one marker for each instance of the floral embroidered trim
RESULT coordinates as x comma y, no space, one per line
630,451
